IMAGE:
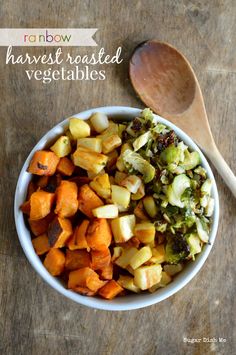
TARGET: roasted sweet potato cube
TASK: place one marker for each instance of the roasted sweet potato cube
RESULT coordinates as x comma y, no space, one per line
80,234
106,273
84,277
40,226
88,200
100,258
84,291
77,259
66,199
59,231
99,234
110,290
40,204
41,244
55,261
25,207
65,166
43,163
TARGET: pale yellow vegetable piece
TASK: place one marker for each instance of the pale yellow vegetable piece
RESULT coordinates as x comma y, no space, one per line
117,251
141,257
101,185
145,232
89,160
107,211
127,282
124,260
147,276
120,195
79,128
158,254
130,269
132,183
61,147
123,228
94,144
99,121
110,143
165,280
150,206
139,194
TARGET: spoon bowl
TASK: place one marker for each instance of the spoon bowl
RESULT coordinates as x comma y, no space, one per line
165,81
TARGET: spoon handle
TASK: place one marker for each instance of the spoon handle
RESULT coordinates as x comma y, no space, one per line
222,168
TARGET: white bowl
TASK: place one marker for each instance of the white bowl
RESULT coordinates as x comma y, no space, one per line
130,301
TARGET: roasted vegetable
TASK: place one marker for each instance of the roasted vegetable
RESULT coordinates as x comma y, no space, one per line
89,160
77,259
66,199
145,232
79,128
41,204
94,144
88,201
65,166
110,290
147,276
123,228
41,244
59,231
84,277
108,211
55,261
99,121
101,185
61,147
78,239
120,196
43,163
40,226
99,234
177,249
100,258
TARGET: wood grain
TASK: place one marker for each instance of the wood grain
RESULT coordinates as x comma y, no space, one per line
34,319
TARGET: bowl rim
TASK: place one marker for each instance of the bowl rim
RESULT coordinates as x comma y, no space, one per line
129,302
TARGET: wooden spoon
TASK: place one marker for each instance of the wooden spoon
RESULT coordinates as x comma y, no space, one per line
165,81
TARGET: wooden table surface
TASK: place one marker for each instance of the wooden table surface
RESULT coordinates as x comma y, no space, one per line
34,319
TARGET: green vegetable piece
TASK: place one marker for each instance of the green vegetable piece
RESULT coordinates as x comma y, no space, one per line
171,154
177,249
194,243
141,140
201,230
176,190
140,164
191,160
206,187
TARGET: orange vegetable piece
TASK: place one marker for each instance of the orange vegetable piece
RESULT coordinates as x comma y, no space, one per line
40,226
78,239
84,277
31,189
66,199
99,234
106,273
40,204
41,244
43,163
88,200
80,234
43,181
100,258
84,291
110,290
65,166
59,231
55,261
25,207
77,259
